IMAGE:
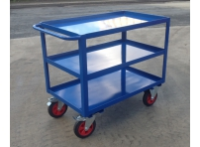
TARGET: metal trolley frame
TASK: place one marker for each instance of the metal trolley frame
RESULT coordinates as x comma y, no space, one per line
101,85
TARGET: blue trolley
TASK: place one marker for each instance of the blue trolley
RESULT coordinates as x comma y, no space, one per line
104,75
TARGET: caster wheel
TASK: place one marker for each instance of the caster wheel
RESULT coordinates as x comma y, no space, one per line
147,100
79,129
54,112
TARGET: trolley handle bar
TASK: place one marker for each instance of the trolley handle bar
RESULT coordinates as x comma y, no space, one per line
39,28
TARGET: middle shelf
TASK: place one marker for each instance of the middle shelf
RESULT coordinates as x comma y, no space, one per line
105,56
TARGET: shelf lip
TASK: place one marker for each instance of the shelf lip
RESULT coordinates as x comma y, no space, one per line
94,108
117,67
89,49
152,20
63,55
144,58
143,46
143,73
67,84
105,45
126,28
156,52
119,99
63,68
102,15
63,100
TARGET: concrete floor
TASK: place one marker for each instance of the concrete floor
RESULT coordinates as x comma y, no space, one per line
21,20
128,124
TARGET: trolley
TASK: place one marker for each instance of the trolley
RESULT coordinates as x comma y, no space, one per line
104,75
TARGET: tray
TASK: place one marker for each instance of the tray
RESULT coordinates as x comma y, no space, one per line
107,23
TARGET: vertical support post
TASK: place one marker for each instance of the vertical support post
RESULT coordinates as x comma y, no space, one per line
123,71
166,50
83,75
44,53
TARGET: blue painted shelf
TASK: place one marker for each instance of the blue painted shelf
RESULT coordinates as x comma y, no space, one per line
105,56
104,90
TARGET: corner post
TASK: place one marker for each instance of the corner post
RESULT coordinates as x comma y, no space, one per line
83,75
166,50
123,71
44,53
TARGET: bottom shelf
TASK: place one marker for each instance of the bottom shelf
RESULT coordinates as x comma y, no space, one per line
106,90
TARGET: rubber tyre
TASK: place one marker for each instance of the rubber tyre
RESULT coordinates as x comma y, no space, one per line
147,98
79,129
54,112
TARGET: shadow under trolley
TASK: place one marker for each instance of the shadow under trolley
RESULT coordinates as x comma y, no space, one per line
104,75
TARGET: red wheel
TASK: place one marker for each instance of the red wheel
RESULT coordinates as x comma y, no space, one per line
54,112
147,100
79,129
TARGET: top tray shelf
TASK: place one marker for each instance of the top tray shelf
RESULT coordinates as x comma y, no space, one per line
101,23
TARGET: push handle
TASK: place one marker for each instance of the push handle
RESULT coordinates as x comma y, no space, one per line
39,28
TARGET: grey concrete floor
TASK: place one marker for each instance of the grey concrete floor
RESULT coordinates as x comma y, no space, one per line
21,20
128,123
